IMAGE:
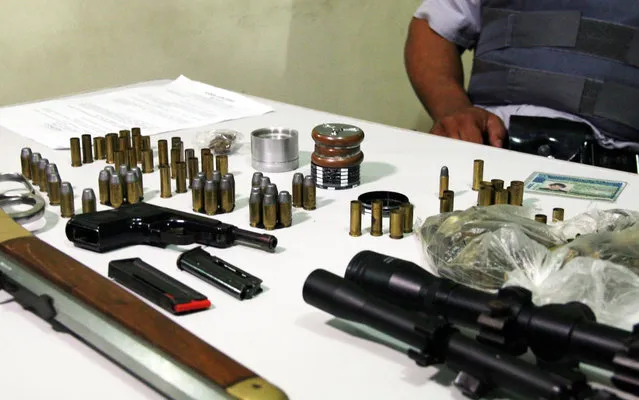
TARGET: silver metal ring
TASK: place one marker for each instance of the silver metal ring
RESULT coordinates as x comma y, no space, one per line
275,149
31,198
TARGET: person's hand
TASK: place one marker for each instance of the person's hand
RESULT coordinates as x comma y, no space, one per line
472,124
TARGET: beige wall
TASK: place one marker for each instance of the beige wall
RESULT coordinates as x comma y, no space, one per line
341,56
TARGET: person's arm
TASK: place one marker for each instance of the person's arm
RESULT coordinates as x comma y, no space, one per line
435,71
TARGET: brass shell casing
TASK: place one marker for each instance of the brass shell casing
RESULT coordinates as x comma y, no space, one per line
137,146
87,149
297,189
132,192
118,159
147,161
136,131
125,134
25,162
255,208
285,211
501,196
356,218
516,196
67,206
180,177
175,158
226,198
193,168
111,144
103,192
309,200
541,218
557,214
132,158
33,166
443,185
197,198
396,230
407,212
269,215
447,202
207,165
222,163
163,152
376,217
76,156
165,181
146,143
123,143
53,190
204,151
42,174
211,198
478,173
485,195
116,194
88,205
99,144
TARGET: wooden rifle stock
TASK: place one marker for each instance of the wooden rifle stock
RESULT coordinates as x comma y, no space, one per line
141,320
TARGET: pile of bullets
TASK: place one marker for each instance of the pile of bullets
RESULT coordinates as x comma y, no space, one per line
401,219
122,186
215,195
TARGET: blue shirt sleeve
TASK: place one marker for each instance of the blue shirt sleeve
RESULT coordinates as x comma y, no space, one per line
458,21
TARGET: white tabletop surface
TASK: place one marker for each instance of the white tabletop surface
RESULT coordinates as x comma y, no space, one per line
276,334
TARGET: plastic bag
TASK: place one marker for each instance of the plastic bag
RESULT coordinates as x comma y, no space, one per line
220,141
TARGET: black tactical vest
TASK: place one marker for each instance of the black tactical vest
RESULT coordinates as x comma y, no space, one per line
577,56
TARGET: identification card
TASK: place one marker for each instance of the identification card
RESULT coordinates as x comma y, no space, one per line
574,186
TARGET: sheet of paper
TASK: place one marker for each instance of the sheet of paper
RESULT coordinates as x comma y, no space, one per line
574,186
180,104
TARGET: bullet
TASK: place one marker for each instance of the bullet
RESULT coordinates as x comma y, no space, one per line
447,202
104,180
165,181
498,184
87,149
285,209
211,198
133,159
201,175
308,200
197,194
271,188
132,188
231,179
137,146
76,157
478,173
443,181
264,181
396,224
222,163
541,218
110,168
111,144
255,207
124,169
407,212
146,143
138,175
99,144
376,217
175,158
118,159
25,160
256,179
33,167
147,161
51,169
356,218
163,152
217,177
193,167
485,195
188,153
501,196
226,193
42,174
516,195
557,214
180,177
88,201
67,206
54,186
298,189
269,212
207,165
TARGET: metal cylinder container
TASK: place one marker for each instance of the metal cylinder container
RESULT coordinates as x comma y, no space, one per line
275,149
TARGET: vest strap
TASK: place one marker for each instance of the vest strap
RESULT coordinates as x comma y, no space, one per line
562,29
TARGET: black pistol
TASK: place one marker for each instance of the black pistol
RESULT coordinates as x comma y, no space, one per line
144,223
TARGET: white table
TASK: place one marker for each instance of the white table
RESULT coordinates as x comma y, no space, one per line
276,334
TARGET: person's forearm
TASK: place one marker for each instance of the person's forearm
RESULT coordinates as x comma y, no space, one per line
435,70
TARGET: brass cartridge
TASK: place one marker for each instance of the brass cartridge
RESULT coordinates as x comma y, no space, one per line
165,181
76,157
222,163
541,218
33,166
111,144
269,212
376,217
407,212
485,195
147,161
180,177
124,169
396,224
447,202
175,141
226,195
207,165
53,188
271,188
42,174
138,175
123,143
285,209
51,169
132,158
264,182
197,194
298,189
136,131
255,207
88,201
137,146
163,152
99,144
132,188
356,218
231,180
25,161
443,181
67,205
498,184
309,200
87,149
203,152
557,214
104,181
501,196
516,195
175,158
478,173
211,197
188,153
193,168
118,160
126,143
146,143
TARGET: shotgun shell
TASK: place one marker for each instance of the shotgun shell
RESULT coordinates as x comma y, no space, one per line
231,179
118,159
285,209
298,189
111,144
255,207
165,181
163,152
485,195
67,206
256,179
146,142
33,167
498,184
376,217
207,165
478,173
443,181
25,160
147,161
396,224
188,153
88,201
76,156
138,175
137,146
226,195
447,202
193,168
42,174
541,218
211,198
269,212
516,196
104,180
264,181
54,186
407,212
132,188
222,163
309,200
356,218
87,149
557,214
98,148
501,196
175,158
197,194
180,177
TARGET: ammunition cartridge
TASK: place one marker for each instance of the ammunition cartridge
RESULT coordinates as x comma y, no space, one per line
407,212
211,198
193,167
516,195
133,159
356,218
501,196
54,187
201,175
146,143
256,179
298,189
165,181
478,173
111,144
147,161
180,177
541,218
136,131
308,198
175,158
67,205
376,217
188,153
88,201
203,152
264,181
76,157
33,167
175,141
87,149
255,207
271,188
118,159
163,152
137,146
98,148
396,230
285,209
447,202
110,168
132,188
443,181
269,212
485,195
25,161
124,169
498,184
42,174
231,179
126,159
217,177
123,144
207,165
226,193
557,214
51,169
125,134
138,175
104,180
197,194
222,163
